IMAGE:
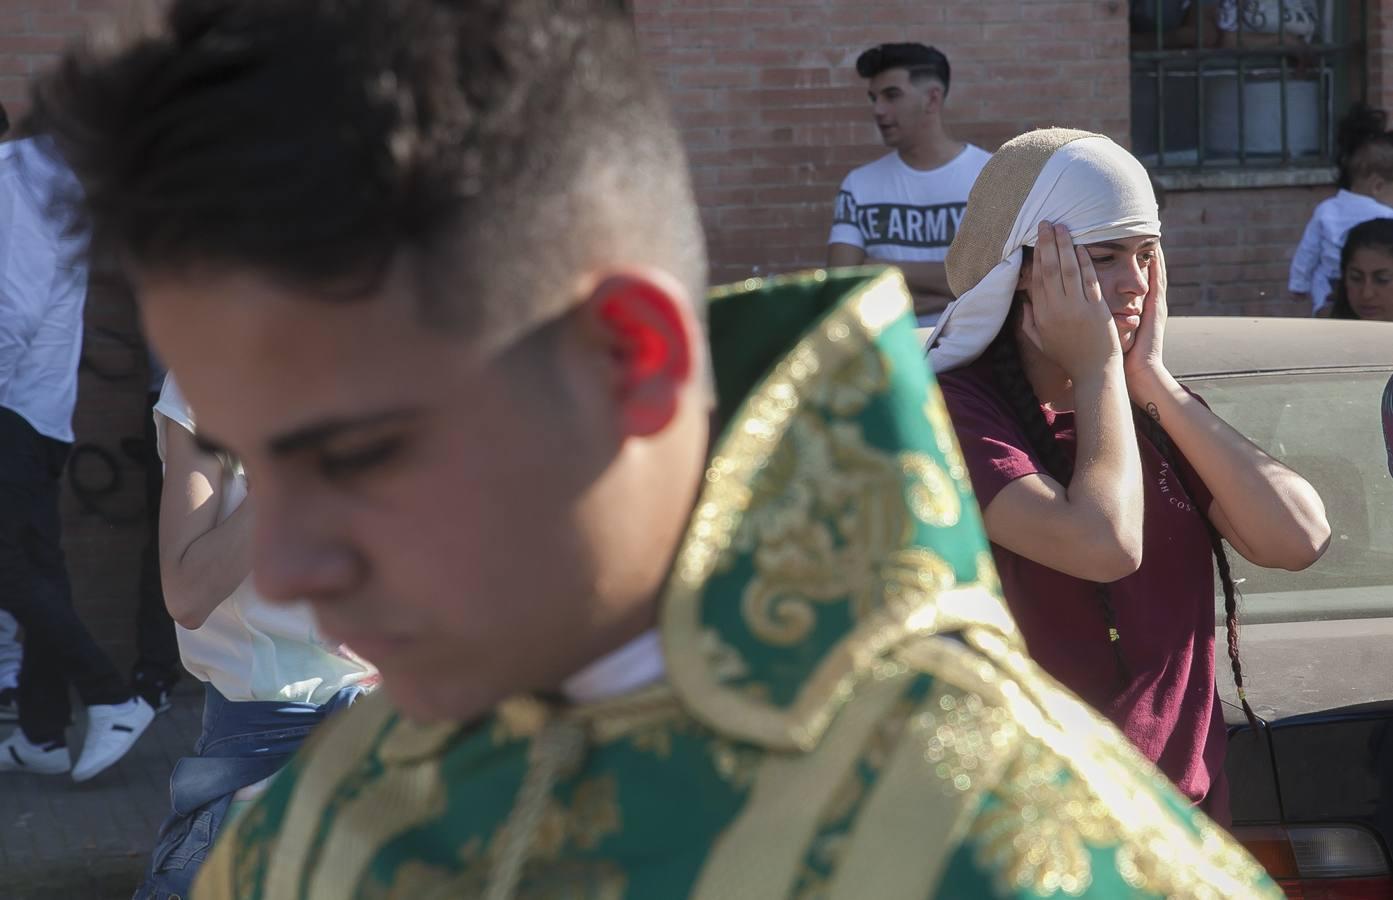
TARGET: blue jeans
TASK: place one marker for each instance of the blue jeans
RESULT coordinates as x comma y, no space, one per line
242,743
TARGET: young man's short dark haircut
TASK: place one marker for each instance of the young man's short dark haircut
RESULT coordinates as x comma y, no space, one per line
505,144
921,61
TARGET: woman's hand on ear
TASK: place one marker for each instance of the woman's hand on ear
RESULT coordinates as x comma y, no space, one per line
1143,363
1066,316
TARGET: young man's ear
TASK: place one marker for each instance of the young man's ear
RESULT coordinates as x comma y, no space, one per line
646,326
935,94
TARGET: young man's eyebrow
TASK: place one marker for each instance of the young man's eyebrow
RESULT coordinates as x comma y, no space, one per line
316,433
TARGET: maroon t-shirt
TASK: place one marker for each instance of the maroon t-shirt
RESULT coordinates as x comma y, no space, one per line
1169,706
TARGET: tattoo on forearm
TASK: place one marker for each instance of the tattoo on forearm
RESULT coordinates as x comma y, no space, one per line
1153,412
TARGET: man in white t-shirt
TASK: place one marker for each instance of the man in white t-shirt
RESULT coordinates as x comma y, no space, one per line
904,208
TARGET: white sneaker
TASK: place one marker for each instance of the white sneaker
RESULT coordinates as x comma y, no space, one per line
18,754
112,729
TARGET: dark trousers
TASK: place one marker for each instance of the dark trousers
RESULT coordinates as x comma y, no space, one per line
34,588
157,650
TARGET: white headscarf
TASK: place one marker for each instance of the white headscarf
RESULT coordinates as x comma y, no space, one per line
1088,184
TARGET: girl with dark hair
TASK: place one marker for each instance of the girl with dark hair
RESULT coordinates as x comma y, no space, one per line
1364,289
1107,489
1366,192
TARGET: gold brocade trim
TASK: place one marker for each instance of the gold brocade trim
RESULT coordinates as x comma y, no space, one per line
402,798
936,411
838,340
352,736
759,854
408,742
1076,784
933,496
950,752
553,754
611,720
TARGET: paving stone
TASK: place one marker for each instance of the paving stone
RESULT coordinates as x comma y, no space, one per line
65,841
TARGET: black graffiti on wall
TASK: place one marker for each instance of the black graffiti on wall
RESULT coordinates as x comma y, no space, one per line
97,473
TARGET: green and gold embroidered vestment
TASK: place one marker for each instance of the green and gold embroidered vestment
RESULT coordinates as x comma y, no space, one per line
849,711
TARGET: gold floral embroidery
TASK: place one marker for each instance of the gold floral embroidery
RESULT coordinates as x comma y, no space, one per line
937,414
847,388
736,764
742,467
912,578
829,511
595,811
655,740
932,496
592,816
960,735
1037,837
1077,784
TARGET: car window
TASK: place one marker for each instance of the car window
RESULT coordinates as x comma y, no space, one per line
1328,427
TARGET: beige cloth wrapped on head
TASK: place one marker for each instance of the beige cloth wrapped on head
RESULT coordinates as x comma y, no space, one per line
1077,179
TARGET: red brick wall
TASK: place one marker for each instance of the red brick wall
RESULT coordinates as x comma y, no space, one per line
1227,252
1381,53
31,32
775,115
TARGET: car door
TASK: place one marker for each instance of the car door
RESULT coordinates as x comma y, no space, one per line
1312,789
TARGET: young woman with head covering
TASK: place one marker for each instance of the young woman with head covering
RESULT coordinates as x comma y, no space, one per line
1364,289
1106,488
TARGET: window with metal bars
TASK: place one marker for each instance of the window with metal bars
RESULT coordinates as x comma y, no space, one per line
1243,84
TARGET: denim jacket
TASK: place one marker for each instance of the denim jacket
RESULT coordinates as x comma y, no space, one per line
242,743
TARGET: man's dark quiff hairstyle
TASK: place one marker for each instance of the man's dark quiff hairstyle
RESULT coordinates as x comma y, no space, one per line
921,61
505,145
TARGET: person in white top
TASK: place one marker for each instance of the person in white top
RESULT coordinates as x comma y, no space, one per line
904,208
270,678
1366,192
43,285
10,650
10,656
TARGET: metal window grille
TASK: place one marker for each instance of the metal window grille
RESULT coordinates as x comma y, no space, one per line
1242,84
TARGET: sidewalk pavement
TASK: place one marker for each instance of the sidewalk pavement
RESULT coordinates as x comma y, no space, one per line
65,841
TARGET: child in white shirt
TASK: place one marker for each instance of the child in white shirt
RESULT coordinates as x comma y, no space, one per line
1366,192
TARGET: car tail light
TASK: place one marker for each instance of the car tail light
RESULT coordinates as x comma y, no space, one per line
1333,862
